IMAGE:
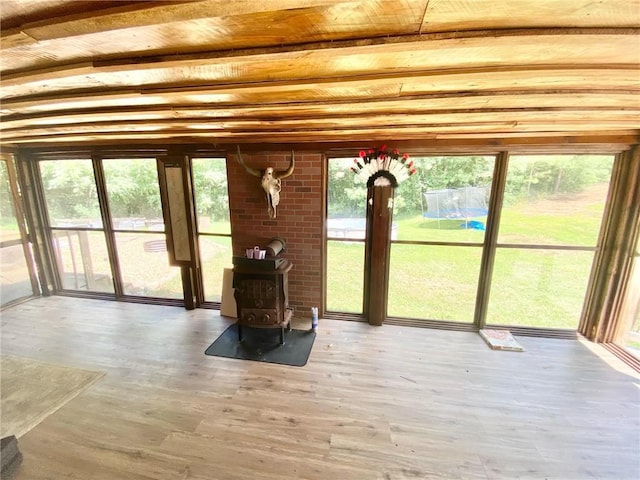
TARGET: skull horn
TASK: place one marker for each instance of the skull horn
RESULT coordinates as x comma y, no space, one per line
251,171
288,171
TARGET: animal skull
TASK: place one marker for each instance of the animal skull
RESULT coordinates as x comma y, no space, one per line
271,181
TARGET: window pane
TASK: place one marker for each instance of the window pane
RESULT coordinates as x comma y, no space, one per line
144,266
82,259
554,199
345,276
346,199
346,218
215,253
433,282
70,193
538,288
346,195
212,195
629,332
8,224
15,282
134,194
447,200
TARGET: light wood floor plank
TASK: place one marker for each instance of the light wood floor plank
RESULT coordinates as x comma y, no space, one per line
388,403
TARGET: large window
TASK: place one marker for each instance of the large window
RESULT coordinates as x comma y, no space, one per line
437,235
129,257
551,217
537,270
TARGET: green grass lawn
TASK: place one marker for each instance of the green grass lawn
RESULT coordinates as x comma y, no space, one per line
345,267
541,288
216,255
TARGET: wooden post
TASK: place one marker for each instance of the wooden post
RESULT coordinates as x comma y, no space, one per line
377,252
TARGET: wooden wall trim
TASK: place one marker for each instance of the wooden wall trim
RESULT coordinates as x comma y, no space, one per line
594,144
612,263
491,239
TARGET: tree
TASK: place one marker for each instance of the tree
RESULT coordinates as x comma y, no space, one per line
435,173
210,182
531,177
132,188
346,194
70,189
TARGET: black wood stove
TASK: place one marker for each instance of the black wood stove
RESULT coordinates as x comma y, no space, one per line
261,292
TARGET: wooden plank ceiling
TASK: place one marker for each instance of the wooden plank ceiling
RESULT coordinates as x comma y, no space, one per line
298,71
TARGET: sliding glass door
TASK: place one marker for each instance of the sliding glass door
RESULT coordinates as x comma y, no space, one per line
18,279
214,225
104,220
440,217
138,229
346,226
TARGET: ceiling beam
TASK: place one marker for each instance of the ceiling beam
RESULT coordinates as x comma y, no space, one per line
505,81
145,14
415,56
590,103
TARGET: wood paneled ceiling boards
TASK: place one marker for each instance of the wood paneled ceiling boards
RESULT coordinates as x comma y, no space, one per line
299,71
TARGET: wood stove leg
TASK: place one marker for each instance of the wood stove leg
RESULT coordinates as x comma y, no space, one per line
239,333
282,336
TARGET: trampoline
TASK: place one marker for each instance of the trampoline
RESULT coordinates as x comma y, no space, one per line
354,228
462,203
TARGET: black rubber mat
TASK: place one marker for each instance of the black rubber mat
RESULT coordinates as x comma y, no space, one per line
263,345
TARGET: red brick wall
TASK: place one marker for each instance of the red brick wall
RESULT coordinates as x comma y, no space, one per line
298,221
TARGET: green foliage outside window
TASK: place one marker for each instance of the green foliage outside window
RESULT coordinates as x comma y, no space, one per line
70,189
530,177
210,183
132,186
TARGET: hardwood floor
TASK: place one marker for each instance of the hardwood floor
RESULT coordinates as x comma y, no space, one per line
384,402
